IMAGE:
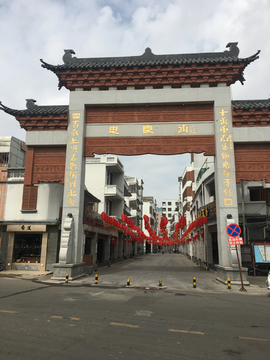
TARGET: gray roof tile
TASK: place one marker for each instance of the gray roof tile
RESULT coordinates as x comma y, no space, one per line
251,104
149,59
37,110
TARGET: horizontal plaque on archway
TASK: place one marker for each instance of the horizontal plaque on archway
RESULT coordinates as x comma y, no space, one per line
159,145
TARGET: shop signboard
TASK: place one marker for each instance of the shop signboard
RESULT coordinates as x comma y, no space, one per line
208,210
26,228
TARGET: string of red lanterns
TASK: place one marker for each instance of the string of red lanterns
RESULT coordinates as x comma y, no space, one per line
136,234
194,225
127,226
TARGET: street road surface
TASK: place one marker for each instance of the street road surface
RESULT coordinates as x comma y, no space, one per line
48,320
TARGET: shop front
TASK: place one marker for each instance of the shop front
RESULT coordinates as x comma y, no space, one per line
27,247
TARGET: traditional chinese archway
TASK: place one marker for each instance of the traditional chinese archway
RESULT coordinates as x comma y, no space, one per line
149,104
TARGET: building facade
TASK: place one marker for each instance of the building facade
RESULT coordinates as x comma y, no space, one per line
253,198
104,178
135,202
30,223
149,209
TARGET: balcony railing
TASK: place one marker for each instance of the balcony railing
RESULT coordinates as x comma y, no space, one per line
15,173
127,210
93,218
254,207
113,191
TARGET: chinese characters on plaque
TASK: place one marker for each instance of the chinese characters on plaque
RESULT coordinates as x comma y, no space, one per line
148,129
226,146
235,241
71,173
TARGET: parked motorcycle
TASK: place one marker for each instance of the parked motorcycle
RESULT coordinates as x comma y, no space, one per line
1,266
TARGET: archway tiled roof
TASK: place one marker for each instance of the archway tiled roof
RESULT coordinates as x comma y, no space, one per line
153,70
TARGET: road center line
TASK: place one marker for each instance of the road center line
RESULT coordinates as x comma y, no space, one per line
187,332
127,325
9,311
256,339
57,317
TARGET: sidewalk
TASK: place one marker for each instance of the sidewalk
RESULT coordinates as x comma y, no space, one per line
175,271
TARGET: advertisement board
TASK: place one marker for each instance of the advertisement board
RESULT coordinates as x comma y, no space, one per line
262,253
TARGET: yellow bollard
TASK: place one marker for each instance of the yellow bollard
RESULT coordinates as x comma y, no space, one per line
66,278
194,282
229,283
96,279
128,282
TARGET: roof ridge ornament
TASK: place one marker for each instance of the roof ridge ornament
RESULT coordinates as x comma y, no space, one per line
67,57
234,50
30,103
148,54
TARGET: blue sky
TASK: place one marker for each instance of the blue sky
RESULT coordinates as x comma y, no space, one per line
42,29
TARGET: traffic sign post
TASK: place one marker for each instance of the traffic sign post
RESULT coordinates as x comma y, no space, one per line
234,231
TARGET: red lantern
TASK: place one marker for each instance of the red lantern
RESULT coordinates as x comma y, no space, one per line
113,241
125,240
205,220
103,216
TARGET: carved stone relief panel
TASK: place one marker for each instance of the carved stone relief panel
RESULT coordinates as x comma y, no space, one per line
150,113
49,164
252,162
169,145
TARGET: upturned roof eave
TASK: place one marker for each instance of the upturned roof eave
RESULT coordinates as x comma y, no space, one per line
148,59
37,110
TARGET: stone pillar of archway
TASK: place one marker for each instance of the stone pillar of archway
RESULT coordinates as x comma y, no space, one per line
70,255
225,187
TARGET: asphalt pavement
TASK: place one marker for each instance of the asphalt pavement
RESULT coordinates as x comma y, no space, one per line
152,271
47,319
